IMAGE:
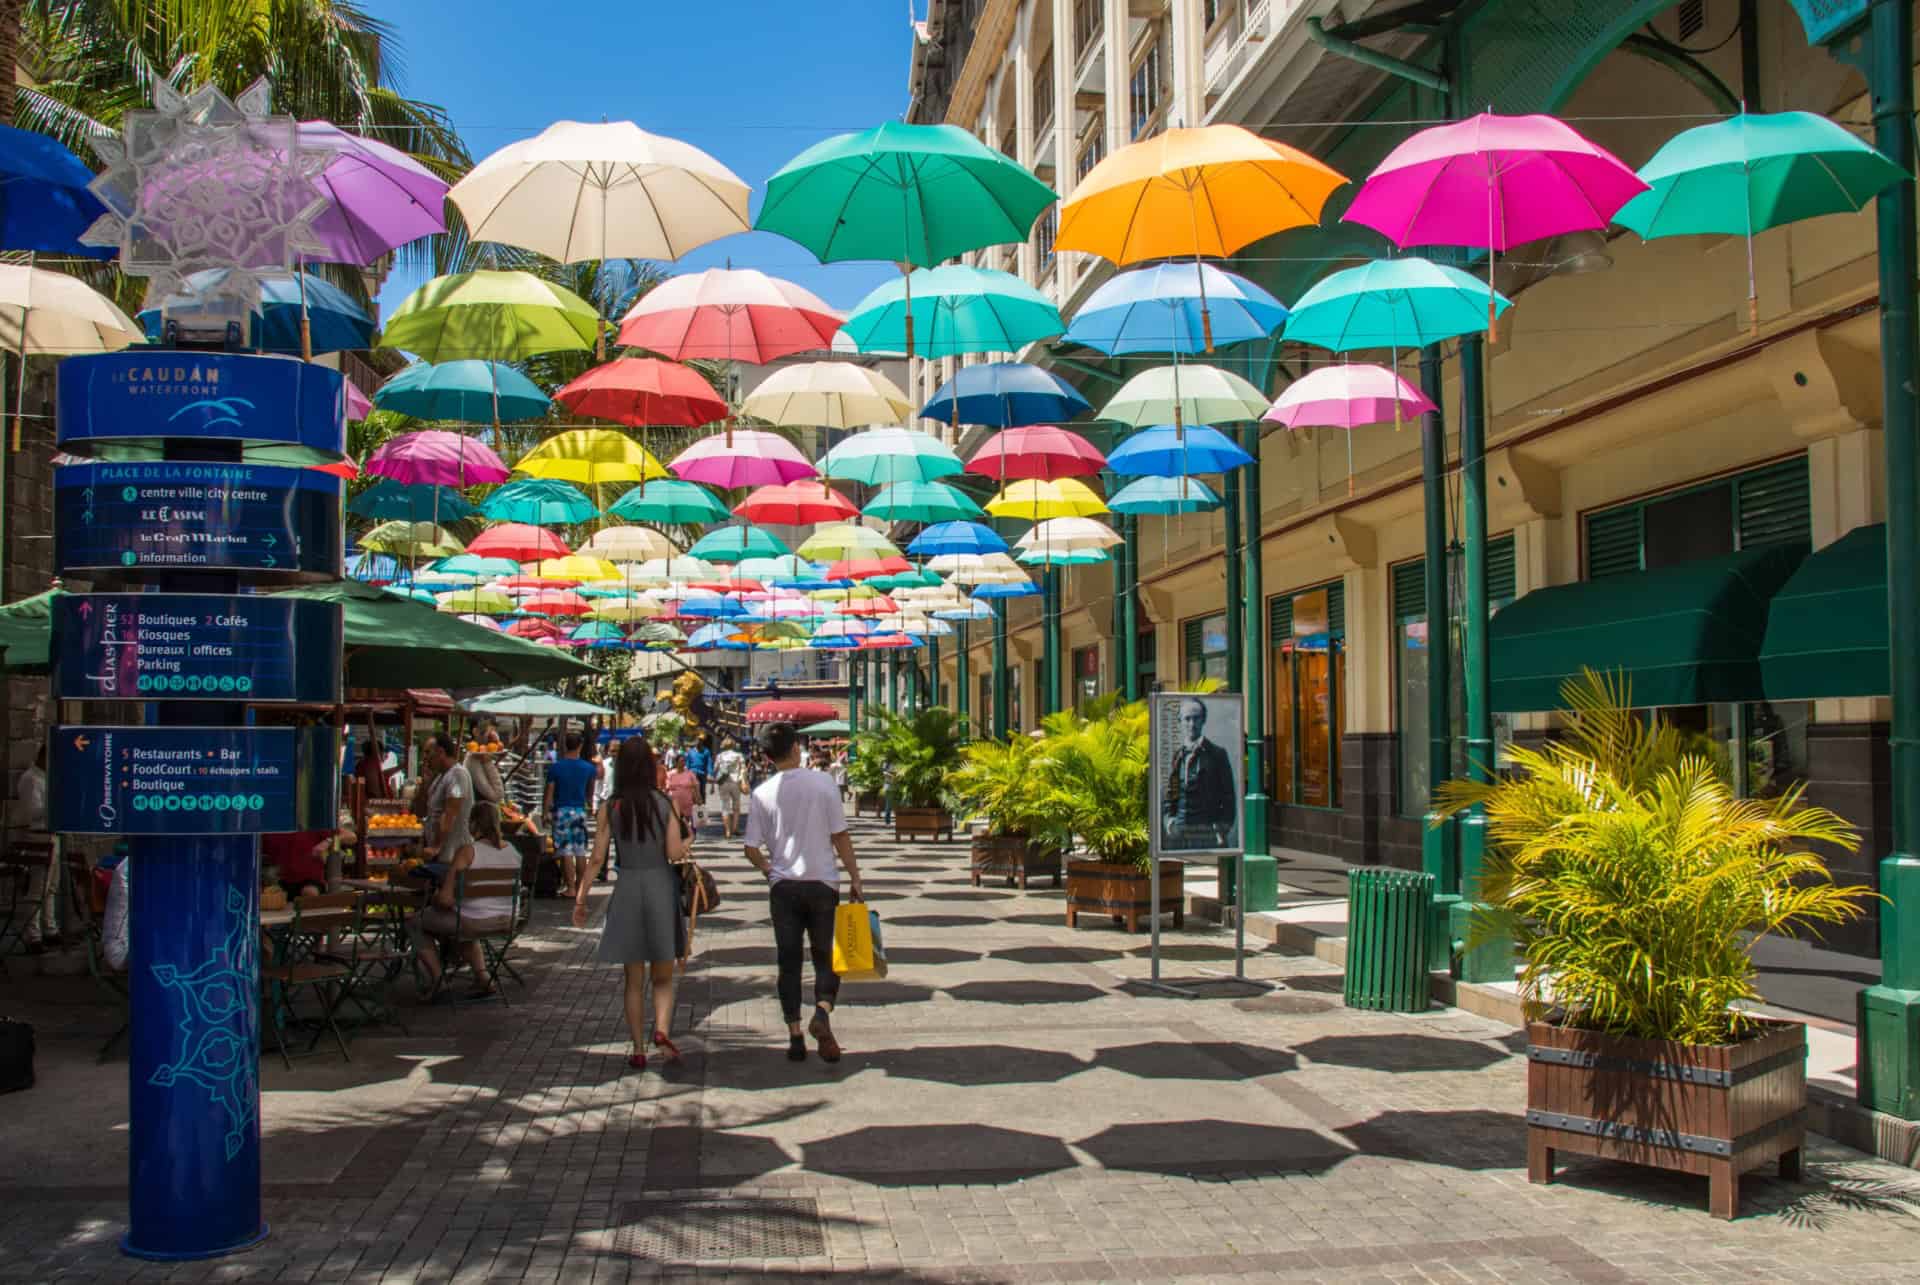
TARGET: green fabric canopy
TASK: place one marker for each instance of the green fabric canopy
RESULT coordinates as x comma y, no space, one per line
1827,629
24,630
533,702
1682,635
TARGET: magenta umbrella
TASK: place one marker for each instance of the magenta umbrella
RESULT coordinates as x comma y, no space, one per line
359,405
439,458
1346,397
744,457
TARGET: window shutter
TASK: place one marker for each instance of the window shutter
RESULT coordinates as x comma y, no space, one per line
1279,619
1500,575
1774,504
1337,609
1410,590
1613,541
1192,638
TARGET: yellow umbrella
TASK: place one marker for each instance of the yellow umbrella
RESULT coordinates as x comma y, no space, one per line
417,539
589,457
577,567
1036,500
846,540
474,602
624,610
628,544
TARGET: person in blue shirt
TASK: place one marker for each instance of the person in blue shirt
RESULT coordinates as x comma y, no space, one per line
700,763
570,781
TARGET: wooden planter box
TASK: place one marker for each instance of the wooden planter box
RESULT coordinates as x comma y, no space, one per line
912,823
1110,888
870,804
1015,857
1717,1110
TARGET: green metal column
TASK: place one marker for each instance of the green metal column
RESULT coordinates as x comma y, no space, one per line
1262,891
1888,1060
1236,637
1048,701
1116,621
933,672
1130,610
1000,701
963,700
893,682
1439,838
853,695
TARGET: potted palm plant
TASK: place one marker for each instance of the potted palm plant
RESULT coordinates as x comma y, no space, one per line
1634,884
917,751
996,779
866,774
1091,770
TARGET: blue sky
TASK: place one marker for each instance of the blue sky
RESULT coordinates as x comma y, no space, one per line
751,82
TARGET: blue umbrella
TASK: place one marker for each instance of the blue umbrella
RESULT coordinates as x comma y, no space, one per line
539,501
1005,394
462,390
339,324
957,537
723,607
1017,589
1164,495
974,610
390,500
1170,308
44,201
1162,452
718,636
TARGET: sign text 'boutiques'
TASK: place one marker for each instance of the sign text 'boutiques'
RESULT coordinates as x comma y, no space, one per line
170,646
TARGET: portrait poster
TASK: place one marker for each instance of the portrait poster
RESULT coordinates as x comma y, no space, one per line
1197,772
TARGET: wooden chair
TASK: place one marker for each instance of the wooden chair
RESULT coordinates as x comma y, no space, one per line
296,960
496,936
111,981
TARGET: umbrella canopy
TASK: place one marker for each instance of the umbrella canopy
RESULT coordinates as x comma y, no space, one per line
414,539
481,602
968,609
957,537
1021,588
1164,495
497,316
1185,394
1069,535
914,580
842,627
372,566
976,568
878,456
557,602
658,632
531,702
1004,393
44,201
669,501
1041,451
743,457
463,390
922,502
1173,307
388,499
485,622
827,394
866,566
955,309
532,627
790,711
51,312
436,457
628,609
538,502
1205,191
578,191
732,543
378,197
575,567
1346,397
1166,451
644,390
336,322
474,564
827,727
795,504
628,544
596,631
723,636
682,569
359,406
736,313
1036,500
590,457
1392,303
518,541
392,643
843,539
788,566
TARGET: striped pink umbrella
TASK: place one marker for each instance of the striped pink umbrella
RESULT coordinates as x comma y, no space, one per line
1347,397
744,457
436,457
738,313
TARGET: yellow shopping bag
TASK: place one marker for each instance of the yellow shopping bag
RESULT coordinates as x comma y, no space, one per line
857,955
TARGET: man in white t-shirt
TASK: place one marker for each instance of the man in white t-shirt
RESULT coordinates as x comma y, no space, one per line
796,829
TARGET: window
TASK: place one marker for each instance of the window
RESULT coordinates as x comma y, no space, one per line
1148,87
1043,93
1089,20
1306,632
1086,675
1010,143
1093,149
1768,505
1044,233
1203,649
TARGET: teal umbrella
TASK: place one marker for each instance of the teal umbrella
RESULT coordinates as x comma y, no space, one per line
1062,557
1164,495
922,502
539,501
918,578
1391,303
475,564
597,631
462,390
954,309
672,502
389,501
732,543
876,456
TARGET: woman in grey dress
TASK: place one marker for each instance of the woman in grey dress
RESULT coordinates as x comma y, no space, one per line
643,928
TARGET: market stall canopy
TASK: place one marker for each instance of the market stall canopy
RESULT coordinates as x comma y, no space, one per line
1681,635
533,701
831,727
25,627
801,712
1827,627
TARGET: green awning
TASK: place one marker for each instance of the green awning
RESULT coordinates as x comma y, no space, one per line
25,627
1682,635
1827,630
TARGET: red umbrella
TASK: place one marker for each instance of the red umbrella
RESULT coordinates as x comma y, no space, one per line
736,313
878,642
518,541
791,711
342,468
868,567
512,583
535,629
796,504
644,390
557,602
1042,452
740,584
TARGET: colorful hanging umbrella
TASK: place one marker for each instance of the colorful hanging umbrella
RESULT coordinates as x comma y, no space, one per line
436,457
359,406
922,502
534,629
596,631
1040,451
463,390
639,391
744,457
628,609
336,323
966,611
371,567
473,564
666,571
1002,394
1392,303
1185,394
1164,495
915,578
378,197
46,205
956,309
628,544
1061,557
658,633
1173,307
478,602
496,316
557,602
669,501
957,537
576,568
827,394
411,539
786,567
795,504
1165,451
878,605
590,457
388,499
519,542
732,543
844,539
1036,500
1347,397
877,456
538,502
738,314
485,622
865,566
44,312
976,568
1021,588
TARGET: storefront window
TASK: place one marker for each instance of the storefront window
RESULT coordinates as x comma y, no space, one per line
1086,675
1204,649
1306,632
1411,672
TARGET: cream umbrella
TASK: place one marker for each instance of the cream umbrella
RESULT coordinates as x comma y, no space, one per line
624,544
977,568
1069,535
665,571
46,313
827,394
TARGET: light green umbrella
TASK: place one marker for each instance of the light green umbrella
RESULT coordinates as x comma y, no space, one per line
954,309
474,602
832,727
1185,394
415,539
922,502
494,316
531,701
845,540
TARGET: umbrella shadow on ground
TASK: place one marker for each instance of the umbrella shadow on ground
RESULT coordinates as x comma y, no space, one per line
739,956
1473,1138
1319,983
937,1153
1212,1148
936,921
1050,919
1179,1060
1191,951
1025,992
968,894
880,994
1055,954
929,955
1403,1051
974,1064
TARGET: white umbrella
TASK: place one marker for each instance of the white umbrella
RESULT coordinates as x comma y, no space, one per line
828,394
977,568
44,312
1069,535
628,544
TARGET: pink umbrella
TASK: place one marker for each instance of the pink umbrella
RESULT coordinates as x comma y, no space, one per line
518,541
485,622
359,405
796,504
1041,452
1346,397
866,567
744,457
438,458
558,602
535,629
739,314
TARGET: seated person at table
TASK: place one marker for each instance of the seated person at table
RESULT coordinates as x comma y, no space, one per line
442,916
300,859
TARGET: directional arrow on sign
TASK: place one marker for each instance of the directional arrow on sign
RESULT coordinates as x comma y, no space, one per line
268,559
81,742
86,611
86,516
86,497
269,539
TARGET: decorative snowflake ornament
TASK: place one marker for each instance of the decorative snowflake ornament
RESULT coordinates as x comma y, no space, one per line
201,182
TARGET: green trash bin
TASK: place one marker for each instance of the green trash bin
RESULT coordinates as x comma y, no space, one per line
1389,927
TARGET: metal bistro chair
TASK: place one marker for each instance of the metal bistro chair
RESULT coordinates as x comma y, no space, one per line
111,981
376,951
18,905
495,935
295,960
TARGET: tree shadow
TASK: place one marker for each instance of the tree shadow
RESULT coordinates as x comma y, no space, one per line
916,1154
1402,1051
1179,1060
1025,992
1471,1138
1054,954
973,1064
935,921
1212,1148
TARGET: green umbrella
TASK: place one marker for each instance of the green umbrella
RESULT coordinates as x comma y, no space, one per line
539,501
494,316
832,727
918,578
732,543
922,502
26,627
531,701
1389,303
954,309
674,502
474,602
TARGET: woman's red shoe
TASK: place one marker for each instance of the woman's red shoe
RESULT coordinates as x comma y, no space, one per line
638,1061
660,1041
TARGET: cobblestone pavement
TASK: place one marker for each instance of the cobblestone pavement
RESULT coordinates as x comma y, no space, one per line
1014,1106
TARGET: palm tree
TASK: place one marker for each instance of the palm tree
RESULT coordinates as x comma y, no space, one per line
10,14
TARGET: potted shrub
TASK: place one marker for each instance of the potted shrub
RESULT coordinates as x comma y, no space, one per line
1634,885
917,751
866,774
996,778
1091,769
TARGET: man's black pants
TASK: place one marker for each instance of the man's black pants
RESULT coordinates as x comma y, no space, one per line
804,908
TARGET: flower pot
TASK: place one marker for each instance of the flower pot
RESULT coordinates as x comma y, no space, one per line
871,804
1015,857
1717,1110
911,823
1121,889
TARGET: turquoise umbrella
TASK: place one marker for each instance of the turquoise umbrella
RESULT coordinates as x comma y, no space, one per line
918,578
954,309
597,631
733,543
1164,495
922,502
462,390
539,501
876,456
388,501
1391,303
1062,557
475,564
673,502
